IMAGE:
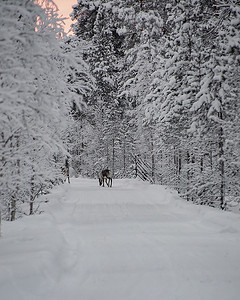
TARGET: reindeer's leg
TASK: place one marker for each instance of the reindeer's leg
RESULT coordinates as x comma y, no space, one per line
107,182
68,174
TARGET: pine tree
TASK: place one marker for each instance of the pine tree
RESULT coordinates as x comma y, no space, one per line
34,102
213,105
97,25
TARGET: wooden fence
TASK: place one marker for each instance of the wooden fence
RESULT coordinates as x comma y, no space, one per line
143,170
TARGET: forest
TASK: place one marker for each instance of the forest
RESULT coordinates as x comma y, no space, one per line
146,88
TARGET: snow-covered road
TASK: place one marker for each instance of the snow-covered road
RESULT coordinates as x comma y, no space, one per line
134,241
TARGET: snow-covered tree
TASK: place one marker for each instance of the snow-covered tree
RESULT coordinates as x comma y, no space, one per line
192,94
214,107
35,101
123,37
97,25
167,79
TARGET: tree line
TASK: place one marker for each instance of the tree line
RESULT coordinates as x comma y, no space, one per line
151,82
167,91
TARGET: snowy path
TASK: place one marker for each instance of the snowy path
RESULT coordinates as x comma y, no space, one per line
135,241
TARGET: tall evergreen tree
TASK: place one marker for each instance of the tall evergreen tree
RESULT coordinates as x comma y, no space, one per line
34,105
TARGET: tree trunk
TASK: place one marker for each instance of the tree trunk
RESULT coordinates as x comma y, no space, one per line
31,196
124,156
188,175
153,159
13,209
113,155
0,222
222,169
14,196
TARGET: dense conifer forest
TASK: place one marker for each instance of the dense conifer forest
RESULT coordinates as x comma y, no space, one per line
148,88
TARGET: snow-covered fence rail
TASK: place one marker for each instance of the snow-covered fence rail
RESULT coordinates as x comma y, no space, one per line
143,170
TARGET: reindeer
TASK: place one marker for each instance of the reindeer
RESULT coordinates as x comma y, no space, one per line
107,176
65,169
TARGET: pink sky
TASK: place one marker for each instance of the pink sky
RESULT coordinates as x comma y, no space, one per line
65,8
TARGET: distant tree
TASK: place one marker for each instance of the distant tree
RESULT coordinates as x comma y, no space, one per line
97,27
115,29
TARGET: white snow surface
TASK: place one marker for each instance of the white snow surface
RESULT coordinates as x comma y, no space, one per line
132,241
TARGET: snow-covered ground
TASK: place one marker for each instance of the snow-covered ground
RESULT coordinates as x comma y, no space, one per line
133,241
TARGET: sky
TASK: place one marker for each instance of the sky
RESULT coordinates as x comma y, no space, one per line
65,8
